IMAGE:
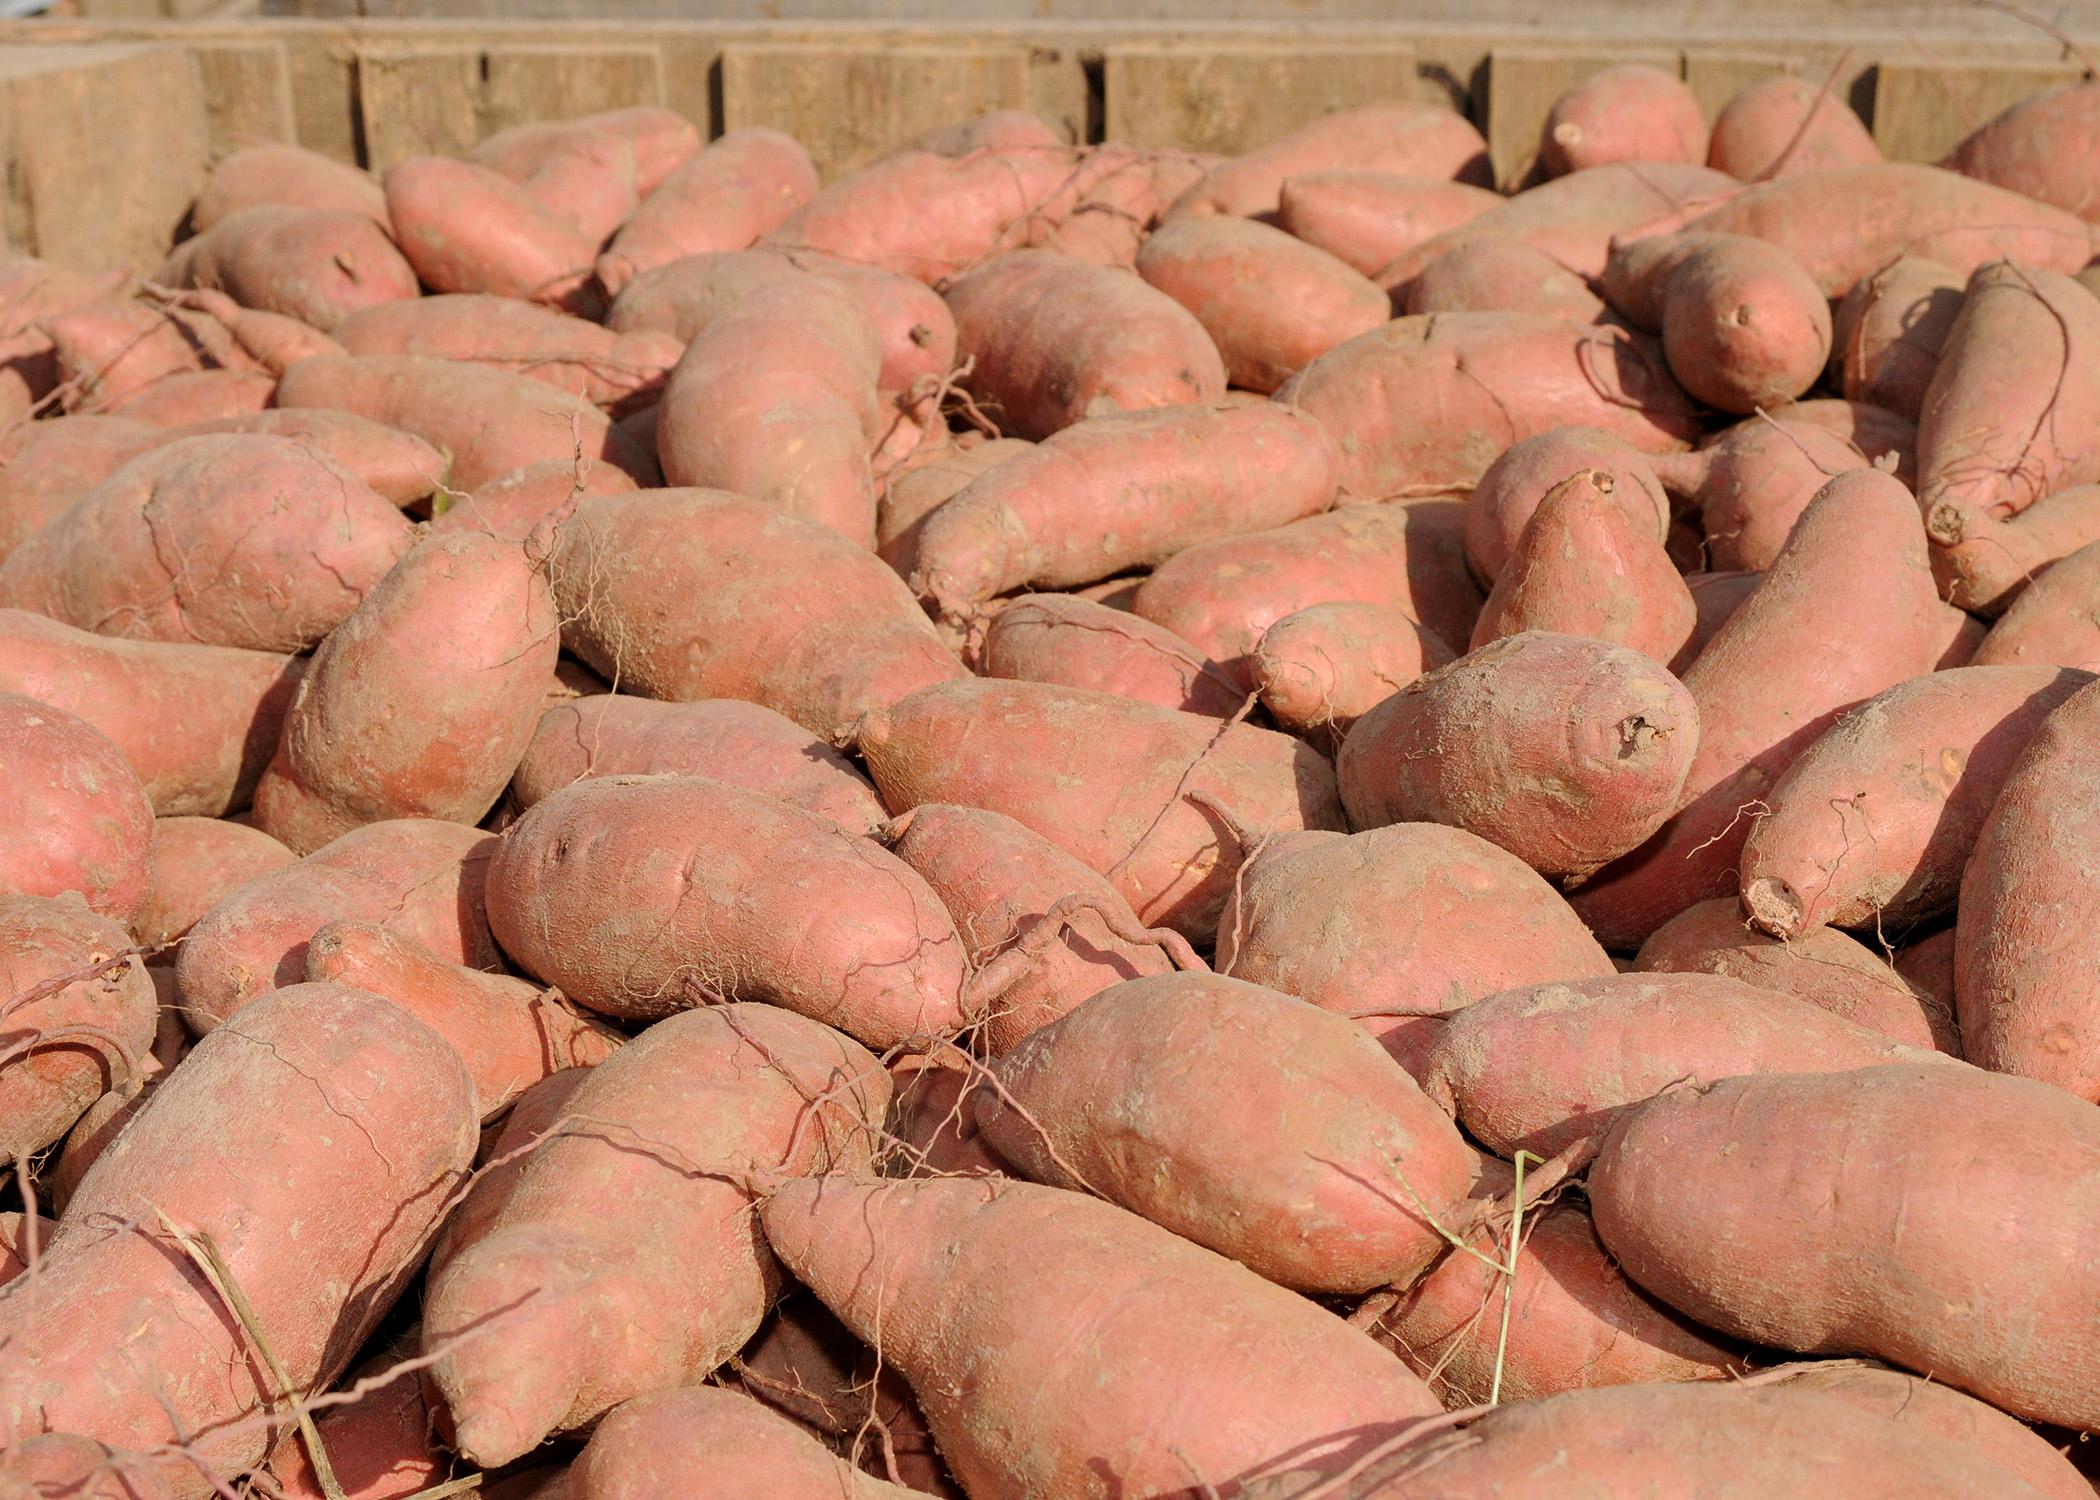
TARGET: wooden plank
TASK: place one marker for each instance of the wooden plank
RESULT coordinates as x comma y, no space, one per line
849,105
1924,107
1232,98
104,147
539,82
1524,81
247,92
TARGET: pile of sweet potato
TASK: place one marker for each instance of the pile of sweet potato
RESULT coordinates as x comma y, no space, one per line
1063,821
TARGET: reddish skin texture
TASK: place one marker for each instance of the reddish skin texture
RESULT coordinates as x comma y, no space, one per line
771,609
320,1241
80,820
59,1464
1563,750
1989,1284
2033,148
1754,136
1629,113
1876,432
1576,1322
273,341
612,734
379,1446
605,368
932,1130
658,140
1326,666
712,1444
2056,619
737,190
1410,918
1927,966
1502,276
245,506
1984,565
42,1092
1589,564
201,396
1321,1167
397,465
639,896
17,1233
117,346
1119,492
2027,948
1819,965
318,265
58,461
1418,140
1744,328
1751,484
928,1269
1846,610
1502,504
420,877
513,505
1368,219
1108,780
1552,1065
1845,223
1222,596
1889,330
1272,304
1424,405
1073,642
682,298
196,723
468,228
630,1302
999,879
511,1032
196,863
464,629
273,173
912,323
1716,596
508,1145
1872,825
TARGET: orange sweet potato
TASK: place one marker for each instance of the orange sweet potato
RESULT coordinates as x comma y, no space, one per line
1630,112
59,461
711,1444
199,396
2037,149
396,464
1327,665
1420,140
1368,219
1073,642
656,140
1752,482
512,505
272,172
1889,330
379,1446
1502,504
2054,621
197,862
468,228
1782,124
22,1239
730,195
318,265
81,821
1502,276
1982,564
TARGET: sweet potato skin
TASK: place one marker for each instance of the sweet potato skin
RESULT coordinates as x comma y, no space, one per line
2033,149
1754,134
712,1444
81,822
1984,565
1744,326
2053,621
1324,667
1413,139
1366,219
1502,504
1073,642
1889,330
732,193
272,172
1501,276
1752,483
1631,112
468,228
59,460
318,265
196,863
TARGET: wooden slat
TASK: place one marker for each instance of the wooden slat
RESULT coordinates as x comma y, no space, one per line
849,105
1523,82
247,92
1923,109
528,83
417,100
1232,98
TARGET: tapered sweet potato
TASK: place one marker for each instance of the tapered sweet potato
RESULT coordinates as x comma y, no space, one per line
2038,148
197,862
468,228
772,609
396,464
1889,330
272,172
318,265
118,346
1327,665
1874,822
197,397
1367,219
1882,435
654,139
733,193
1424,405
1752,483
1016,1405
128,1341
1073,642
1107,779
719,1101
508,1146
1502,504
1982,564
712,1444
1501,276
1552,1065
1420,140
2055,620
81,821
423,879
1781,124
1631,112
1918,1249
1744,327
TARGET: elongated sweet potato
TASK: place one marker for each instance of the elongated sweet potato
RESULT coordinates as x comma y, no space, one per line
1563,750
1982,564
1367,219
2055,620
118,346
657,140
273,172
1630,112
420,877
396,464
81,821
1502,276
1781,124
2038,148
318,265
1107,779
1502,504
1702,1194
197,862
199,396
468,228
1548,1066
999,1376
57,462
513,504
730,195
1875,821
127,1341
712,1444
1424,405
1888,332
1327,665
686,1118
1073,642
1420,140
1752,483
773,609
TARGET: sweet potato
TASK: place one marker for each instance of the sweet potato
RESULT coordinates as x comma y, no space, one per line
1729,1203
712,1444
79,1015
772,609
117,346
54,1464
1927,966
1774,678
1073,642
379,1446
1563,750
656,139
733,193
911,322
1781,124
2054,621
514,504
741,743
932,1129
1751,484
721,1100
81,821
1501,276
1873,823
1055,341
1716,596
2025,939
271,172
594,890
1982,564
1424,405
508,1146
197,862
22,1239
1221,596
464,626
423,879
2038,148
127,1340
1367,219
197,397
196,723
59,461
468,228
1820,965
396,464
1418,140
1507,495
1549,1066
998,1376
1630,112
1889,330
1324,667
1118,794
1883,435
318,265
